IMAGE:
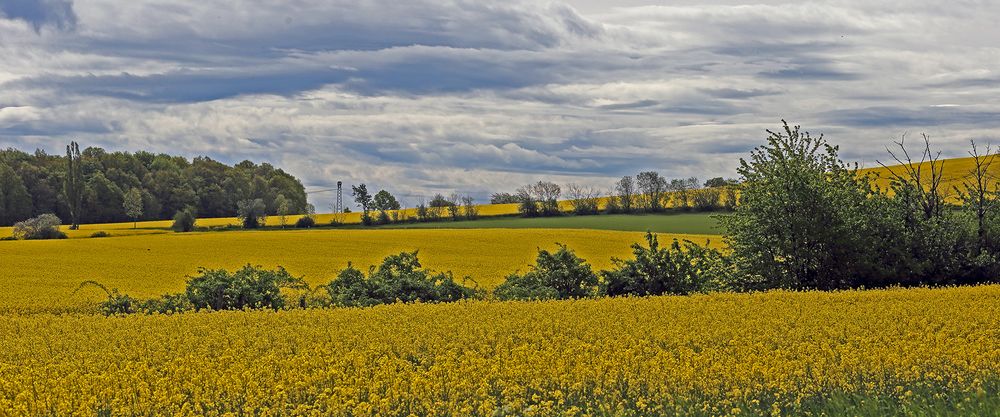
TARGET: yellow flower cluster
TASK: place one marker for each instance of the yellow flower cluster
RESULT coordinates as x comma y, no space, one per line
710,354
42,275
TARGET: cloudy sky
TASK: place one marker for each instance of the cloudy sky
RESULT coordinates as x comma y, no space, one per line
425,96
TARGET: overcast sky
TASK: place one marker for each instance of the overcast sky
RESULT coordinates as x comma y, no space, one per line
424,96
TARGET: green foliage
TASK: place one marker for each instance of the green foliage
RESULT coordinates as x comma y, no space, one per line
440,200
675,269
116,303
15,201
249,287
384,201
802,219
305,222
73,184
400,278
95,184
251,213
555,275
45,226
504,198
100,234
184,220
132,203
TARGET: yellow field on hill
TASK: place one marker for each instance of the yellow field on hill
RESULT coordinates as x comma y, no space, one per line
41,275
720,354
955,172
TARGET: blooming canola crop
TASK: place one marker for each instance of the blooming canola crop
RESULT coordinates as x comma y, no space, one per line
713,354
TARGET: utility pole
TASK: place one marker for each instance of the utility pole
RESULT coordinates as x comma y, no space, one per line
340,198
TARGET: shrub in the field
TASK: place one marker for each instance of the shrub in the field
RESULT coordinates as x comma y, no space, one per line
305,222
45,226
399,278
184,221
100,234
248,287
675,269
559,274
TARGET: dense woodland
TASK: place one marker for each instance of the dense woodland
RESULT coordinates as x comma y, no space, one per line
35,184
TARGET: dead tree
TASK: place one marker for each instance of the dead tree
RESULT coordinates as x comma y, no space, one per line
978,190
919,179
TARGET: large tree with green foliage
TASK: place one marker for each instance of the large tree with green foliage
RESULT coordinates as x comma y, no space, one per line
802,220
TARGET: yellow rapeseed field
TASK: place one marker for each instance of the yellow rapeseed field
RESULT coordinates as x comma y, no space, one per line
955,172
41,275
775,353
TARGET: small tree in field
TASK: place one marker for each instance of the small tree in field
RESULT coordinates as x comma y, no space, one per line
133,205
282,209
184,220
469,207
45,226
625,194
252,213
364,200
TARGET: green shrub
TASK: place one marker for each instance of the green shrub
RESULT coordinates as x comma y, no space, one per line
248,287
100,234
167,304
399,278
305,222
561,274
116,303
184,221
45,226
8,238
676,269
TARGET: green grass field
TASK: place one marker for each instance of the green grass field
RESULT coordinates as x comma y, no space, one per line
687,223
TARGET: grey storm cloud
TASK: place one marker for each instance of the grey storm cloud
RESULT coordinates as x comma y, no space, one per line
39,13
483,95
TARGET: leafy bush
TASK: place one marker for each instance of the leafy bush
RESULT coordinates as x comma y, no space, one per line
305,222
675,269
100,234
167,304
184,221
248,287
561,274
399,278
45,226
252,213
116,303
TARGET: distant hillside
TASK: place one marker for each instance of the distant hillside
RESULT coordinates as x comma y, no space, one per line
32,184
955,172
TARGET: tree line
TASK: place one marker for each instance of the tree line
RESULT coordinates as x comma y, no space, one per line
647,192
96,186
